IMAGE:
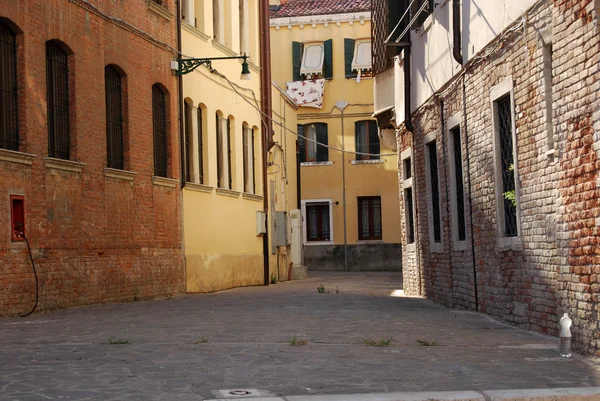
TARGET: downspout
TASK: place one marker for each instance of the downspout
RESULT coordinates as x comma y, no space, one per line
180,105
266,108
464,94
456,34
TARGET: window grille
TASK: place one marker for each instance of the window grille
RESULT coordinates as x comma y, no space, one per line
317,222
435,191
57,92
367,139
9,124
200,154
114,118
369,218
410,229
189,152
159,125
460,186
503,107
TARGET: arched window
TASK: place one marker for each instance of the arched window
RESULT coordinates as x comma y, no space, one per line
200,140
159,127
114,118
9,127
57,96
189,150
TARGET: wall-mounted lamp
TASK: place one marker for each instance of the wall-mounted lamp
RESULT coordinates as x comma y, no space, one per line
183,66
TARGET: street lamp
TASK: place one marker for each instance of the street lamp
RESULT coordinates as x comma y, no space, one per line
184,66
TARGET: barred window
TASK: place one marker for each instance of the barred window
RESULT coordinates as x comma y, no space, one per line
159,127
9,125
367,140
317,221
434,191
369,218
114,118
57,92
504,119
459,187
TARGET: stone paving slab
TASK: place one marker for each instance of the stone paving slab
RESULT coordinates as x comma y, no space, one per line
187,347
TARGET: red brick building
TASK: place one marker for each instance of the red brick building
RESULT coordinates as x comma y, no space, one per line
498,157
89,162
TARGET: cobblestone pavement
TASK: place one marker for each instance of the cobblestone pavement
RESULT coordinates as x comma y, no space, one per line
187,347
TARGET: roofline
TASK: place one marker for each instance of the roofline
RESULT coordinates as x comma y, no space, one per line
324,19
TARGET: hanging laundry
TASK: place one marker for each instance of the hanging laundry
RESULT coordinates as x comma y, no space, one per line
307,93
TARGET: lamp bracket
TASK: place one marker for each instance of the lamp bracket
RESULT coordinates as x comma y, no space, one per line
187,65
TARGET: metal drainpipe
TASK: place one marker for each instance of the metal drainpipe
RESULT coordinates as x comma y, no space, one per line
464,129
456,34
180,89
266,106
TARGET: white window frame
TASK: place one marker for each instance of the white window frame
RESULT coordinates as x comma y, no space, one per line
453,123
312,70
356,66
304,225
434,247
498,91
406,184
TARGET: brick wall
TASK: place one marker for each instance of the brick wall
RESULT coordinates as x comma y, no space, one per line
94,238
553,266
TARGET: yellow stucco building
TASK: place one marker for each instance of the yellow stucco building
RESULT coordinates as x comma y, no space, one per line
223,147
322,58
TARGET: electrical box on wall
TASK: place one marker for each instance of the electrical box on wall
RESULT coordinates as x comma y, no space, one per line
281,228
261,223
17,217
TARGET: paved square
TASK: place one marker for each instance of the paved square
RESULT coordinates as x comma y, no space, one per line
188,347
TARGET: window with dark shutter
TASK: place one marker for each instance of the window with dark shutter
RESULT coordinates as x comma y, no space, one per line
219,132
189,151
322,149
229,172
301,143
9,125
348,57
57,96
200,152
296,60
309,135
369,218
159,127
328,59
410,220
114,118
460,189
367,140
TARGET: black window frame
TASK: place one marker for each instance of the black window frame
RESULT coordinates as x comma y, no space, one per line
188,142
503,110
9,98
200,145
159,130
459,198
434,189
57,98
373,207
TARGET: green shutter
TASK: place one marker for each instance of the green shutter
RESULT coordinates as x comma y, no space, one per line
296,60
357,140
322,151
373,140
348,56
328,62
301,143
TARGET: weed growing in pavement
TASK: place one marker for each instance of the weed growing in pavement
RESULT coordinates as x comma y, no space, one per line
337,291
321,289
297,342
425,343
114,341
384,342
273,278
202,340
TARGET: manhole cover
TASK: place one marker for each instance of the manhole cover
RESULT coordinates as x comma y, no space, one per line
240,393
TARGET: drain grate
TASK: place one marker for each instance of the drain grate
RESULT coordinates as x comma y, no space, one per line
241,393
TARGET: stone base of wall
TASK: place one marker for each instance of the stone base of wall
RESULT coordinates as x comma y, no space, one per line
208,273
69,278
361,257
